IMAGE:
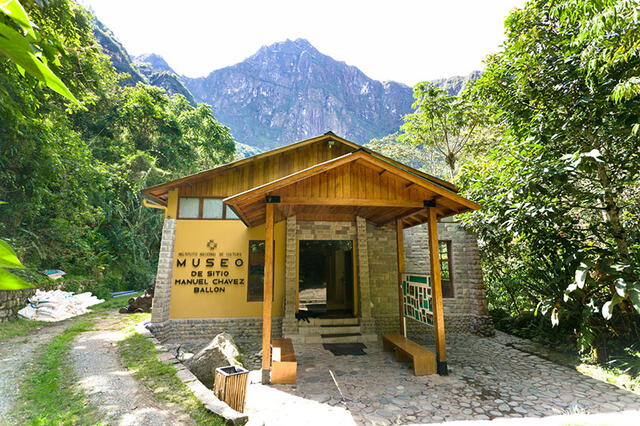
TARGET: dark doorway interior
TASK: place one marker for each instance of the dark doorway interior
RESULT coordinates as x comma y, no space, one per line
326,277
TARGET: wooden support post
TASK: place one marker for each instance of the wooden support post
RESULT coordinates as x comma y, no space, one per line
267,293
400,253
436,283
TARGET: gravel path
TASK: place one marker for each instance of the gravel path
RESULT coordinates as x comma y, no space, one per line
15,355
111,387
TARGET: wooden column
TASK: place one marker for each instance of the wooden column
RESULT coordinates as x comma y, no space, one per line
436,282
400,253
267,300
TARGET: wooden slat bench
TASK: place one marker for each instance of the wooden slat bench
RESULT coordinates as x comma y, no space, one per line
423,360
283,368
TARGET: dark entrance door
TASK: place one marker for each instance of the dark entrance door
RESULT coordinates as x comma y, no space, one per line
326,277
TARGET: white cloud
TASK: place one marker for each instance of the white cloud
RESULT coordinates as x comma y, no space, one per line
404,40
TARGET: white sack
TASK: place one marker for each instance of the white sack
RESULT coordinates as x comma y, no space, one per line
57,305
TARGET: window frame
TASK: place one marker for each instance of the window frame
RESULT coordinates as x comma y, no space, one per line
261,298
201,209
451,286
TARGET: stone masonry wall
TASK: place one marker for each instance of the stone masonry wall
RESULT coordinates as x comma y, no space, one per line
11,301
162,293
383,271
242,329
467,310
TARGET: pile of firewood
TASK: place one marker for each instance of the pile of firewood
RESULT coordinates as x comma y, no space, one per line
140,303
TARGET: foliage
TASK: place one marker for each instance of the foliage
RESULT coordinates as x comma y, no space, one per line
561,212
448,125
8,259
72,175
50,395
408,153
140,356
19,41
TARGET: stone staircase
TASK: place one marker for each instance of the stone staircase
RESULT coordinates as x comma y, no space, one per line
331,330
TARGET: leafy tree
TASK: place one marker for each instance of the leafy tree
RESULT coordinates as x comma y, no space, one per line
560,193
448,125
20,41
71,173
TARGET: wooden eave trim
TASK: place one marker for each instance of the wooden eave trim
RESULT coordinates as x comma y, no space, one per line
154,199
403,166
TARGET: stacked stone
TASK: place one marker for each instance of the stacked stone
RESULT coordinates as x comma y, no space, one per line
11,301
242,329
162,295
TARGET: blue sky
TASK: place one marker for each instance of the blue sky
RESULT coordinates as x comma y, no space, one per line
403,40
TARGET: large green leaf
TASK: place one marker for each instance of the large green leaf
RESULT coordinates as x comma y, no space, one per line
17,48
8,258
9,281
14,10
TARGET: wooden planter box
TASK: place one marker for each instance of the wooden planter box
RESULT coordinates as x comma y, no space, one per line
230,386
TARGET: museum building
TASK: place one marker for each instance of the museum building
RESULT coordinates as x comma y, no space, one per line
328,233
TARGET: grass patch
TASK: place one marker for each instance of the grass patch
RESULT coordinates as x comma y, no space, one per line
139,355
49,395
611,375
18,327
114,302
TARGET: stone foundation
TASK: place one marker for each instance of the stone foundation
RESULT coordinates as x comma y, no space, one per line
11,301
242,329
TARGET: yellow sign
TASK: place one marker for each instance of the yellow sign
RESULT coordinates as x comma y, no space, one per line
210,270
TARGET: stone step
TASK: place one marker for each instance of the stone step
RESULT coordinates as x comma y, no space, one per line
318,330
317,339
315,322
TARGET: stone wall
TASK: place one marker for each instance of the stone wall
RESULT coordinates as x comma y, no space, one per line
162,292
11,301
466,311
383,278
242,329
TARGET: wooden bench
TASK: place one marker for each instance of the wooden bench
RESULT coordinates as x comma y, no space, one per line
283,362
424,361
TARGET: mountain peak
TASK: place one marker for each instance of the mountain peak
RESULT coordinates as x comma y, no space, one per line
156,61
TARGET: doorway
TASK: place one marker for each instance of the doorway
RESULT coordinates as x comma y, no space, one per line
325,278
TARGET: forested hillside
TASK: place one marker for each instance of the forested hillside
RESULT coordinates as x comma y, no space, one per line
70,174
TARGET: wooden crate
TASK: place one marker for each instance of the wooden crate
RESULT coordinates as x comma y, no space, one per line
230,386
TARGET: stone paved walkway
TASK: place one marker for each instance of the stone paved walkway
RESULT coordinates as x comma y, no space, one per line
488,380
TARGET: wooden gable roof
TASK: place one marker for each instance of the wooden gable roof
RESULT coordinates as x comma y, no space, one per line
252,172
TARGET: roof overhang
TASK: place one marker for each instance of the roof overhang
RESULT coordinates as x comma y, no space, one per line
159,193
249,205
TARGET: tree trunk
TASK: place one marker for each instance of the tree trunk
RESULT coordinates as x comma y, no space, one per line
612,214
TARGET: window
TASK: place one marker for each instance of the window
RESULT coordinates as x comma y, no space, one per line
212,208
189,208
445,268
255,285
204,208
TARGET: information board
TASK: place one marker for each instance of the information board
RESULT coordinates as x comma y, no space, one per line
418,299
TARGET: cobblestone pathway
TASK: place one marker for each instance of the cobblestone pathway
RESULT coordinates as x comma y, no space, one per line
488,380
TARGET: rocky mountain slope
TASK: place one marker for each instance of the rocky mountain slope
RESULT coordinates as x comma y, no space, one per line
285,92
150,69
290,91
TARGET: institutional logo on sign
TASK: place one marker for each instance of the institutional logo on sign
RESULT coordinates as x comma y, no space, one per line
212,245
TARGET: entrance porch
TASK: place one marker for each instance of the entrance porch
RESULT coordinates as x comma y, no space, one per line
358,196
